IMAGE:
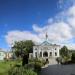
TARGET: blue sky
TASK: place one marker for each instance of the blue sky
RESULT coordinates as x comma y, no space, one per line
21,17
22,14
26,12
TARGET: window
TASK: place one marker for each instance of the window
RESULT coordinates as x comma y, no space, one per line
35,48
45,54
36,54
55,49
55,53
50,53
40,54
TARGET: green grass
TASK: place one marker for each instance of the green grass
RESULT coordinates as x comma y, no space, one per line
5,66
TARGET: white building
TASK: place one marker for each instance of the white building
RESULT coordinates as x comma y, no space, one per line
2,54
5,55
46,50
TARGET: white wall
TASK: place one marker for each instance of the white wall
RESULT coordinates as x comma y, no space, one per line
2,55
50,49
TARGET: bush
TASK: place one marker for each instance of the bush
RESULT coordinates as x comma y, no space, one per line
21,71
73,57
41,61
37,66
59,59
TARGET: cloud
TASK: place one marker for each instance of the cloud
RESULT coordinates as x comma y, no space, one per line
50,20
57,32
60,29
17,35
36,28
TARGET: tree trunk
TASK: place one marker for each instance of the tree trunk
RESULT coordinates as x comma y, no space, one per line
25,60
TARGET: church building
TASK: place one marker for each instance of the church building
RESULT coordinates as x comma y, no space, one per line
46,50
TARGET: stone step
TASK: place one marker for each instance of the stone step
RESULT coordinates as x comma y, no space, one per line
52,61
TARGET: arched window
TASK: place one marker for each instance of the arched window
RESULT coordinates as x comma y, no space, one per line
50,53
55,49
45,54
55,53
35,48
36,54
40,54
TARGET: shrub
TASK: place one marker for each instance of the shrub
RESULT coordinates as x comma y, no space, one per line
59,59
21,71
73,57
37,66
43,62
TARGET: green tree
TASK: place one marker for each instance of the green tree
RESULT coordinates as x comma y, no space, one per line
22,49
64,52
73,57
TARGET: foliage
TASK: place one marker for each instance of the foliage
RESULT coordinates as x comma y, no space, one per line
5,66
23,47
41,61
65,55
10,67
37,66
73,57
21,71
38,63
25,60
64,52
59,59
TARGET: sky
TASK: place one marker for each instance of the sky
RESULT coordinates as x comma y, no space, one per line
31,19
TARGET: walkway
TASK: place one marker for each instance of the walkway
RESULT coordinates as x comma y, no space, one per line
58,70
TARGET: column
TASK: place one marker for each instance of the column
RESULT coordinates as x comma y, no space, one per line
53,53
58,52
48,53
42,54
33,53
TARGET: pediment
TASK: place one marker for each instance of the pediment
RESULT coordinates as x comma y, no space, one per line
45,43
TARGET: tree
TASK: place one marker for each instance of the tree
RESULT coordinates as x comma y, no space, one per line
64,51
22,49
73,57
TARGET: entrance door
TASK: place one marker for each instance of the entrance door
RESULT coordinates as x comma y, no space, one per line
45,54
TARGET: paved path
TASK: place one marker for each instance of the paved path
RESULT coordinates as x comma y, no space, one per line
59,70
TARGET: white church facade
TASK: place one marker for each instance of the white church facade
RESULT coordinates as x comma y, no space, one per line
46,50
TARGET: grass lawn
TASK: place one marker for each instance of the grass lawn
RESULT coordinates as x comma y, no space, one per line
5,66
